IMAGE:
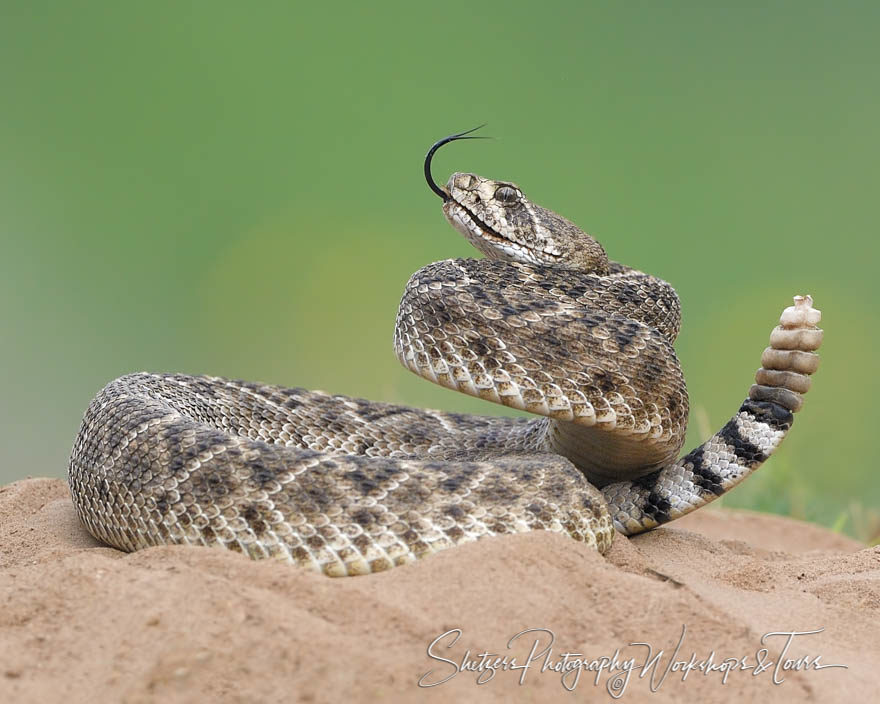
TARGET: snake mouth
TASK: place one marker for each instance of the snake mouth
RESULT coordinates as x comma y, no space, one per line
478,225
477,231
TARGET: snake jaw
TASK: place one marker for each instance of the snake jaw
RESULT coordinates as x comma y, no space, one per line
486,224
498,219
491,243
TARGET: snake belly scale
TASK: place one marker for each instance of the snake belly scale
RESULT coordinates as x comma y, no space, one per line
545,323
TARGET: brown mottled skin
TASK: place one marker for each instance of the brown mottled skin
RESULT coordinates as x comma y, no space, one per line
546,323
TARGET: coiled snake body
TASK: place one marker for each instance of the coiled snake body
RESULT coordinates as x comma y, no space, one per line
546,323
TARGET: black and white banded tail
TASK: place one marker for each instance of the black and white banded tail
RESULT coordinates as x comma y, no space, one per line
742,445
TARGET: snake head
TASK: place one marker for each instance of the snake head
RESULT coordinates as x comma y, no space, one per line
497,218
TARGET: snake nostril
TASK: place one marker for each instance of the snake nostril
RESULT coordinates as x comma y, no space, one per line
466,182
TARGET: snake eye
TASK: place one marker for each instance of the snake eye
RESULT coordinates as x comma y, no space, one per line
506,195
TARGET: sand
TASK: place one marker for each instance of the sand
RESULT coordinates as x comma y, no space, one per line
82,622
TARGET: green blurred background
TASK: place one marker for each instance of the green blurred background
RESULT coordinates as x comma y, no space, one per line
235,189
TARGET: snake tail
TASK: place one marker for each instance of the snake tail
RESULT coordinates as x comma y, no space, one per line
745,441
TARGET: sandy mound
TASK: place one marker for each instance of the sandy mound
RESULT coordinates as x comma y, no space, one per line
81,622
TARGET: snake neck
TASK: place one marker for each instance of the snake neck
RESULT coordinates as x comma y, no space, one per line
606,457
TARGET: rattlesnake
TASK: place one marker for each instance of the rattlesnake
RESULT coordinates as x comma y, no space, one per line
545,323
